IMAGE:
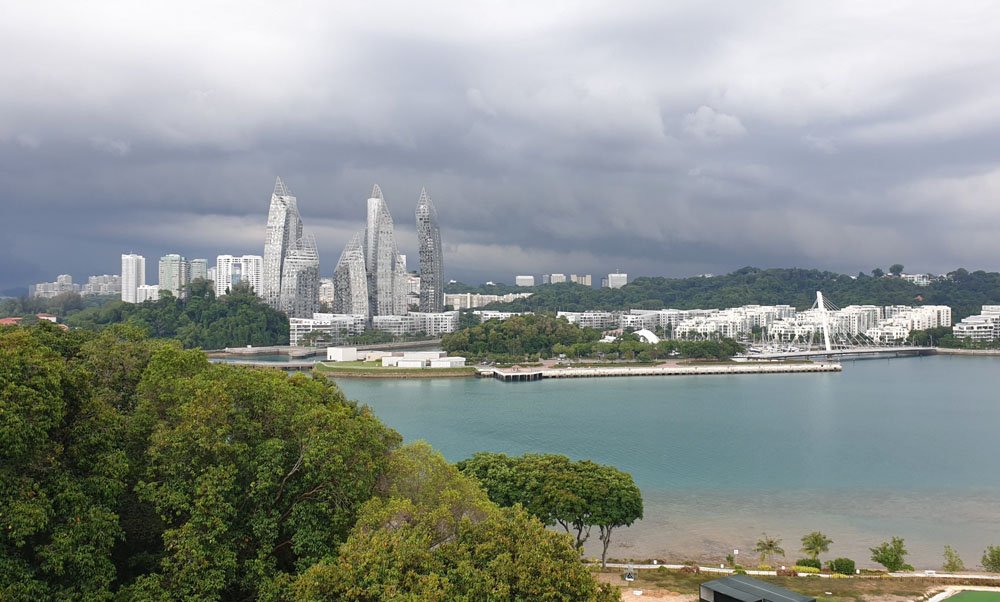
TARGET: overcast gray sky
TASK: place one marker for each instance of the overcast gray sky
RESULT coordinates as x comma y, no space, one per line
661,137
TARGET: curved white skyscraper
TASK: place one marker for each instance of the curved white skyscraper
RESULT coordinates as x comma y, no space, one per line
350,279
299,293
386,275
284,229
431,263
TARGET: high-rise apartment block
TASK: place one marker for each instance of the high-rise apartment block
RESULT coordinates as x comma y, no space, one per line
617,280
231,270
175,275
524,280
198,268
133,276
431,261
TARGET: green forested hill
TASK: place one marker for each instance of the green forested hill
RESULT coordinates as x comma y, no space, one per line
964,291
202,320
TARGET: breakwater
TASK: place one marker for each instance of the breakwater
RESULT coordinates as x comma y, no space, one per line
532,374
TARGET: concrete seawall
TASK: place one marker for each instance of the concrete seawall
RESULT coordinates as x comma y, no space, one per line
527,374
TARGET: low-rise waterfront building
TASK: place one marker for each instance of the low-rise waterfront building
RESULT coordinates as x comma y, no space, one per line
981,328
329,328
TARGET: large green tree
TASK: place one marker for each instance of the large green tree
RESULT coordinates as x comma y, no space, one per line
432,534
576,495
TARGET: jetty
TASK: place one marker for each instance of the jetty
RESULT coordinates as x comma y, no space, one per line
527,374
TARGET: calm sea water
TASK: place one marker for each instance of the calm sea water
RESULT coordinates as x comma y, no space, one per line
906,447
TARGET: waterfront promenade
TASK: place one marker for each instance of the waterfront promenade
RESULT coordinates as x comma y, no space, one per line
522,374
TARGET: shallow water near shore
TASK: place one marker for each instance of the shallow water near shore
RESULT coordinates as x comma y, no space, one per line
906,447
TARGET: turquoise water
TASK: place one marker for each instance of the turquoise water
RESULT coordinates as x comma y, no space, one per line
904,447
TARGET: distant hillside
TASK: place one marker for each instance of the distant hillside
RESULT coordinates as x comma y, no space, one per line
964,291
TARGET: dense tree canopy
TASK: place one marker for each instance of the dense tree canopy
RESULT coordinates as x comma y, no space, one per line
574,495
136,470
201,320
965,292
517,337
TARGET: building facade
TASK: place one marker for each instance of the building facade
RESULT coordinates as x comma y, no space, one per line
175,275
231,270
617,280
431,261
284,229
133,276
107,284
299,296
386,273
47,290
350,279
524,280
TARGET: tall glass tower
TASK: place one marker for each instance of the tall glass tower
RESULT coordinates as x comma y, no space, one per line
429,239
386,296
350,280
299,296
284,229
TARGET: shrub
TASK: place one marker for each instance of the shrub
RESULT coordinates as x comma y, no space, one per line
991,559
843,566
690,569
738,570
786,573
952,561
764,567
891,555
807,570
813,562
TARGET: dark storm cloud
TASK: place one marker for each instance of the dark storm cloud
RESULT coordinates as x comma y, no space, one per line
656,138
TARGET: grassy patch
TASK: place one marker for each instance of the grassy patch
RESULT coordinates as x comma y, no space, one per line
975,597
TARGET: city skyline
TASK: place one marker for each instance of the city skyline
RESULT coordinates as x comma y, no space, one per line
668,140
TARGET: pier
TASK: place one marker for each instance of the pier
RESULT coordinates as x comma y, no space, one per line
532,374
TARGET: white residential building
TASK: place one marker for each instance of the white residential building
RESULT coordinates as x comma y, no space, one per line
326,291
108,284
175,274
557,278
334,328
981,328
231,270
473,300
524,280
485,315
198,268
598,320
47,290
147,292
133,276
617,280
